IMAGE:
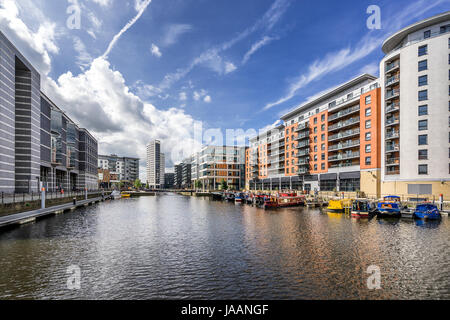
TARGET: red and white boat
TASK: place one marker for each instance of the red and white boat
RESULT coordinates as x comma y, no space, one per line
284,200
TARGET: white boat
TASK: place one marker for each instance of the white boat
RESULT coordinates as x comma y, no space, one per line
116,195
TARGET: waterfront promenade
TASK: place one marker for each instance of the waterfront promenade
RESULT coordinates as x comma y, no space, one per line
31,216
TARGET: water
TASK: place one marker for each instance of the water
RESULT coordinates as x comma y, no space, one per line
175,247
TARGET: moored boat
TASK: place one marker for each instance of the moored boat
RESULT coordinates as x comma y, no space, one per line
389,207
217,196
239,197
339,206
361,209
125,194
229,196
427,211
284,200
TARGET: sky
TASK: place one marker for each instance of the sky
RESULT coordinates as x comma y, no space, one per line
183,70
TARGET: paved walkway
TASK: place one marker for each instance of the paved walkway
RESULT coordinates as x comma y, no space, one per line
19,218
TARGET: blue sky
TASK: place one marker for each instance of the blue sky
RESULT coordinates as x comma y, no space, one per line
227,63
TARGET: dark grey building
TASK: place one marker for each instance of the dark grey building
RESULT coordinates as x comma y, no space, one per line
38,142
169,180
183,175
178,179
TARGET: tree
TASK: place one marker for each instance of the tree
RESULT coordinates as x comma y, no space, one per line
198,184
137,184
224,185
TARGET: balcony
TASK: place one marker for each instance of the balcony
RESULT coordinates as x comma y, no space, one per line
347,134
344,113
392,162
395,134
302,145
392,148
303,136
392,80
392,121
344,156
393,66
343,124
393,107
303,171
303,153
342,146
392,94
301,127
342,165
392,171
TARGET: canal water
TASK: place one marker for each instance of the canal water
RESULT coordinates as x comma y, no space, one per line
176,247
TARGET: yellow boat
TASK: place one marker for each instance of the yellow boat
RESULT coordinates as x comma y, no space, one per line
340,206
125,195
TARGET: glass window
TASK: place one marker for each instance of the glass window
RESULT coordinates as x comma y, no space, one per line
322,137
315,120
315,139
427,34
423,65
368,161
423,110
423,80
368,148
322,167
315,167
423,169
323,118
368,124
315,148
423,95
315,129
423,50
368,136
423,154
423,140
423,125
322,127
322,156
368,112
323,146
368,100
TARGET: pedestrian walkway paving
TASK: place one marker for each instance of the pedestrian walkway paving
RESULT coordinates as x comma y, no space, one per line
24,217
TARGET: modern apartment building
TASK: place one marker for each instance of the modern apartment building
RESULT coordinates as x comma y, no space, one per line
169,180
39,142
213,165
415,78
329,143
156,165
379,136
126,168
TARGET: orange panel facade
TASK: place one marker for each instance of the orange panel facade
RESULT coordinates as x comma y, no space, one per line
319,143
290,141
370,125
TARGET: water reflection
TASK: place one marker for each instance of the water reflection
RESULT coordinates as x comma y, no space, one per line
182,247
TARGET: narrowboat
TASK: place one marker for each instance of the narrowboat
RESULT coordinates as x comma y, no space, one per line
229,196
239,197
339,206
361,209
389,207
284,200
427,211
217,196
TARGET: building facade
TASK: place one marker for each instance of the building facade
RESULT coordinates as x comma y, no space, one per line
169,180
39,142
380,136
156,165
213,165
126,168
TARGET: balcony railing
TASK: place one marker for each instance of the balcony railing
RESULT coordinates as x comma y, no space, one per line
392,94
302,145
302,126
393,134
303,153
393,107
392,121
390,81
343,124
392,148
393,65
342,165
392,171
342,146
303,171
344,156
343,135
344,113
393,161
303,136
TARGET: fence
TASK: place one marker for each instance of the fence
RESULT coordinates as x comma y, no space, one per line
18,198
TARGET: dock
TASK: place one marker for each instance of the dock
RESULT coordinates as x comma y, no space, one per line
31,216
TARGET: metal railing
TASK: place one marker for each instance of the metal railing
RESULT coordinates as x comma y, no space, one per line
393,134
15,198
343,124
392,80
392,93
345,134
344,113
345,156
393,107
340,146
392,65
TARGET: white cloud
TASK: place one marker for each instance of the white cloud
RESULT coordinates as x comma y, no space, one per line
335,61
36,45
207,99
256,46
140,6
229,67
83,58
174,32
197,95
155,51
372,69
103,3
183,96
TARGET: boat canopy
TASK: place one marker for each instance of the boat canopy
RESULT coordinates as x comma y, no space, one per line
392,197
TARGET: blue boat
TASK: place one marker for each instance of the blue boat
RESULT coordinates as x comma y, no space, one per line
427,211
239,197
389,207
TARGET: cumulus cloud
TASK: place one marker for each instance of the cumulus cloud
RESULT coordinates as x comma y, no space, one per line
155,51
207,99
229,67
36,45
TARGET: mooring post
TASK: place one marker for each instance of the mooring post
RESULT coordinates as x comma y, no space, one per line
85,194
42,198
